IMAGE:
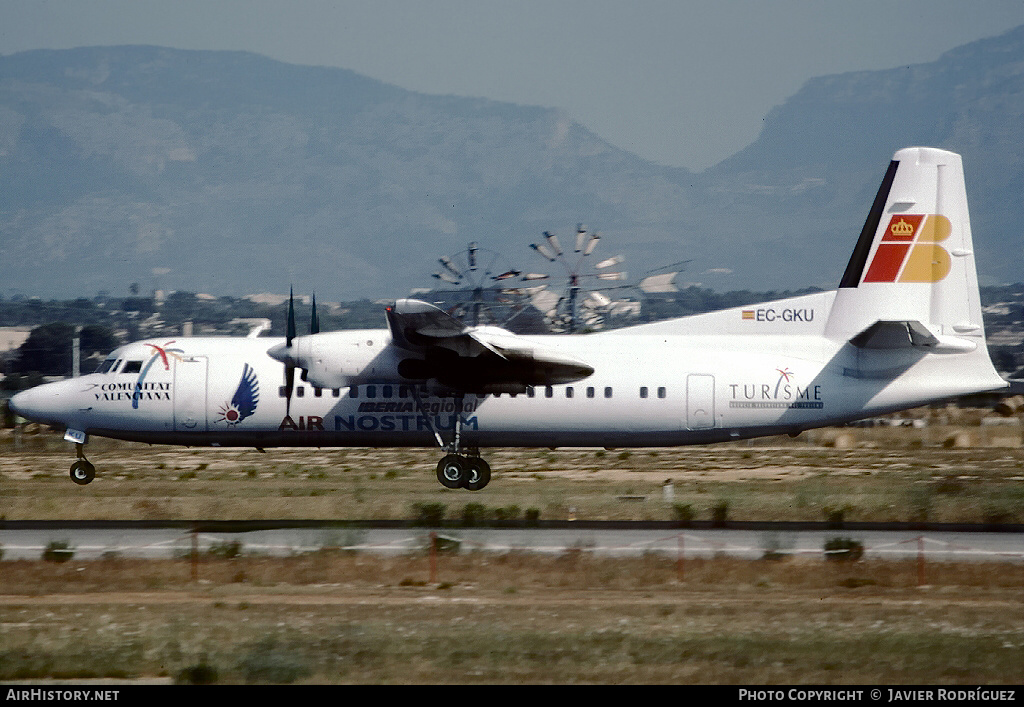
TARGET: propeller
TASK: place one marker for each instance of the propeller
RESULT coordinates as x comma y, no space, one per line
289,366
286,354
314,320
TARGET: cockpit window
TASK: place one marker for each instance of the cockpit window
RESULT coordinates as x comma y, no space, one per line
132,367
106,365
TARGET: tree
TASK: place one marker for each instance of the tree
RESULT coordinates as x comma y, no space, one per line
47,350
48,347
180,306
97,339
144,305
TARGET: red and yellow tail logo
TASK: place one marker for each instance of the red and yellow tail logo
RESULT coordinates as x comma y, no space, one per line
910,250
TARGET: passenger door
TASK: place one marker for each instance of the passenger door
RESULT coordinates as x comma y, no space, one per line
190,394
700,401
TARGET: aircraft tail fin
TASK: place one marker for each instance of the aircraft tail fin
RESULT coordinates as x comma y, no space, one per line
912,283
914,261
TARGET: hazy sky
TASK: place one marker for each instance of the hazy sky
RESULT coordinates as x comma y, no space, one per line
680,83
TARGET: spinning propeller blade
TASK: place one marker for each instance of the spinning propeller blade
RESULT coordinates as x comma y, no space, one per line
289,367
314,321
288,353
290,334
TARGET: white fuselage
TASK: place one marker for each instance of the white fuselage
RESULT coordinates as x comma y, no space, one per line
904,328
647,389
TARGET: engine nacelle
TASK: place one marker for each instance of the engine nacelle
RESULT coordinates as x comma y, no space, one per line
341,358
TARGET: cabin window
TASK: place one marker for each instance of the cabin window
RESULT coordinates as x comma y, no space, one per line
282,391
318,392
530,391
590,392
608,392
353,391
568,391
403,391
549,391
643,391
371,391
336,392
300,392
661,392
386,391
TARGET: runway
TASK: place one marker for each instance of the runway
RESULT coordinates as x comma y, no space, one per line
92,543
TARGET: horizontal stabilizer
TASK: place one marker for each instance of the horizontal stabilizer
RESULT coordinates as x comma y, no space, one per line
894,335
909,334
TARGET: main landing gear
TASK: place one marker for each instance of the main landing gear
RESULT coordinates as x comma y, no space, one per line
82,471
456,471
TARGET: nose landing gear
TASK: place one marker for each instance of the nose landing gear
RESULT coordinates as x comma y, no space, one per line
82,471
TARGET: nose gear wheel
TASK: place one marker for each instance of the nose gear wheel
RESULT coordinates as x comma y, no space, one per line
82,472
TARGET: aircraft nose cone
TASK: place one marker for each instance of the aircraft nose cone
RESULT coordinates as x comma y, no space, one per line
44,403
24,403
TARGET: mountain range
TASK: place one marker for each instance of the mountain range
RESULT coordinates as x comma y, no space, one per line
231,173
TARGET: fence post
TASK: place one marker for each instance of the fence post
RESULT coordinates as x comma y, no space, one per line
681,560
920,561
195,556
433,557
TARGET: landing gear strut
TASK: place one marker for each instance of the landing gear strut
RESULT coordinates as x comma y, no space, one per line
82,471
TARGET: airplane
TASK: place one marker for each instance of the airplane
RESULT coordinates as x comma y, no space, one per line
903,329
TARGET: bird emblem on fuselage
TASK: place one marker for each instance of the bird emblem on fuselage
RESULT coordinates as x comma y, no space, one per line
246,397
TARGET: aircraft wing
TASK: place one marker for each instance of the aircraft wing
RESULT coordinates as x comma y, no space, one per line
417,326
475,359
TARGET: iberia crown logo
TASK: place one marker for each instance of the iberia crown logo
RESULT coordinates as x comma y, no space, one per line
910,252
901,229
